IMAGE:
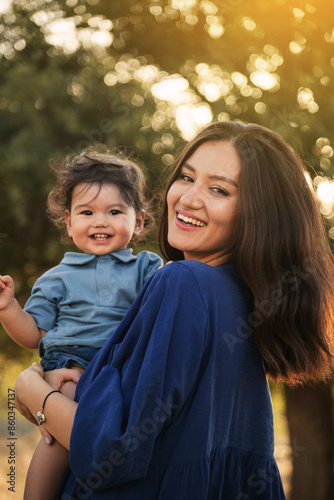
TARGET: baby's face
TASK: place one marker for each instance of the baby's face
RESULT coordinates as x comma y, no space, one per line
99,221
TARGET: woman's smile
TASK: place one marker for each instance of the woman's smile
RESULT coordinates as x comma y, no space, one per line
188,220
202,203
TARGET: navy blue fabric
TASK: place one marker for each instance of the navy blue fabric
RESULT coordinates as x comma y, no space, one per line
54,358
176,404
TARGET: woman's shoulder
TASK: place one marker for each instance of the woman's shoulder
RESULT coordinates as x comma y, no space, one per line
200,271
200,277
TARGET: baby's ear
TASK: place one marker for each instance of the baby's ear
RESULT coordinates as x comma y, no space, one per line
140,219
68,222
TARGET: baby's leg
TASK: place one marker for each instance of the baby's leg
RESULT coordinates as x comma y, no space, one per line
48,464
46,470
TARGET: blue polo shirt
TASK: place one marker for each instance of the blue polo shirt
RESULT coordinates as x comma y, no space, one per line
82,300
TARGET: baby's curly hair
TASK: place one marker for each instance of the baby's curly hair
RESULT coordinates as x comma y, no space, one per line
94,167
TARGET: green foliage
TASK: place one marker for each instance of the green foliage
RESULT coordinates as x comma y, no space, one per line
253,60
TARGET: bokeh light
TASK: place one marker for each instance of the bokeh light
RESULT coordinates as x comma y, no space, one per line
325,193
306,100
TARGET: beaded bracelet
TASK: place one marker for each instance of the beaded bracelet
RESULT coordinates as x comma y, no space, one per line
40,415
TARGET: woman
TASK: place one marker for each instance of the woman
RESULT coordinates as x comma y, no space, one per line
176,404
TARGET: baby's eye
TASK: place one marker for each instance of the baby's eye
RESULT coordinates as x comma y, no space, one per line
115,212
86,212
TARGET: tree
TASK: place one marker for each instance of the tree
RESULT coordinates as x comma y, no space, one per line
310,417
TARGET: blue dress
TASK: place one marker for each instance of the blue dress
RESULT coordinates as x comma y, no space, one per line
176,404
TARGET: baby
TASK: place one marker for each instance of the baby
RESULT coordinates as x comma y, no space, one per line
99,201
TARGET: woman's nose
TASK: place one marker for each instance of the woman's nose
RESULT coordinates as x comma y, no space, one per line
192,197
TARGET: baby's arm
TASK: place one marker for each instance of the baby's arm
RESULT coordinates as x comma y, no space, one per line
19,324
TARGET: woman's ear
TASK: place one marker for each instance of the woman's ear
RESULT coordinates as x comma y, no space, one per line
140,220
68,222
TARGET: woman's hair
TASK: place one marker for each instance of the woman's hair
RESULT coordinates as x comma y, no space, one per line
281,250
97,168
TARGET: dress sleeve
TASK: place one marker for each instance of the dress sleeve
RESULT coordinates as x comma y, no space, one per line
44,301
132,390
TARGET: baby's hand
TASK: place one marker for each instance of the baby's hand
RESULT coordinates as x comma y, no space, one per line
6,292
57,378
169,262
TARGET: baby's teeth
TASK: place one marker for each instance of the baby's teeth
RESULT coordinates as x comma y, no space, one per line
100,236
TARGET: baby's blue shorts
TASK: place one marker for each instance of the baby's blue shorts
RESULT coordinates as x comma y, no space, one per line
67,356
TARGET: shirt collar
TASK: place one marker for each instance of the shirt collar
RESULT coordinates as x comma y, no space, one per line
78,259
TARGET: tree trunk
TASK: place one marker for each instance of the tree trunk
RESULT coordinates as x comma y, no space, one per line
310,421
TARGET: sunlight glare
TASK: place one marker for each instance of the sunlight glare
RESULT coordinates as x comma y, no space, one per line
210,91
295,47
190,119
249,24
169,89
216,30
298,14
102,38
265,80
183,5
239,79
5,6
305,100
325,193
62,33
209,8
147,74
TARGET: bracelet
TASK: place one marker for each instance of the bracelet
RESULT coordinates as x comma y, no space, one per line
40,415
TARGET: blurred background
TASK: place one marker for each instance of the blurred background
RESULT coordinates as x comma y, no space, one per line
145,76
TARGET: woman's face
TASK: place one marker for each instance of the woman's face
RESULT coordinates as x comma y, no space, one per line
202,203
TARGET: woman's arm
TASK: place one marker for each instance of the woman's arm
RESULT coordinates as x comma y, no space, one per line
142,377
30,391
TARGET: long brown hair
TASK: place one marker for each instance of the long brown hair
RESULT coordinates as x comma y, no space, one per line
280,249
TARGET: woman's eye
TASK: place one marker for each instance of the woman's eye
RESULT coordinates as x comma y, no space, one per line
221,191
186,177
